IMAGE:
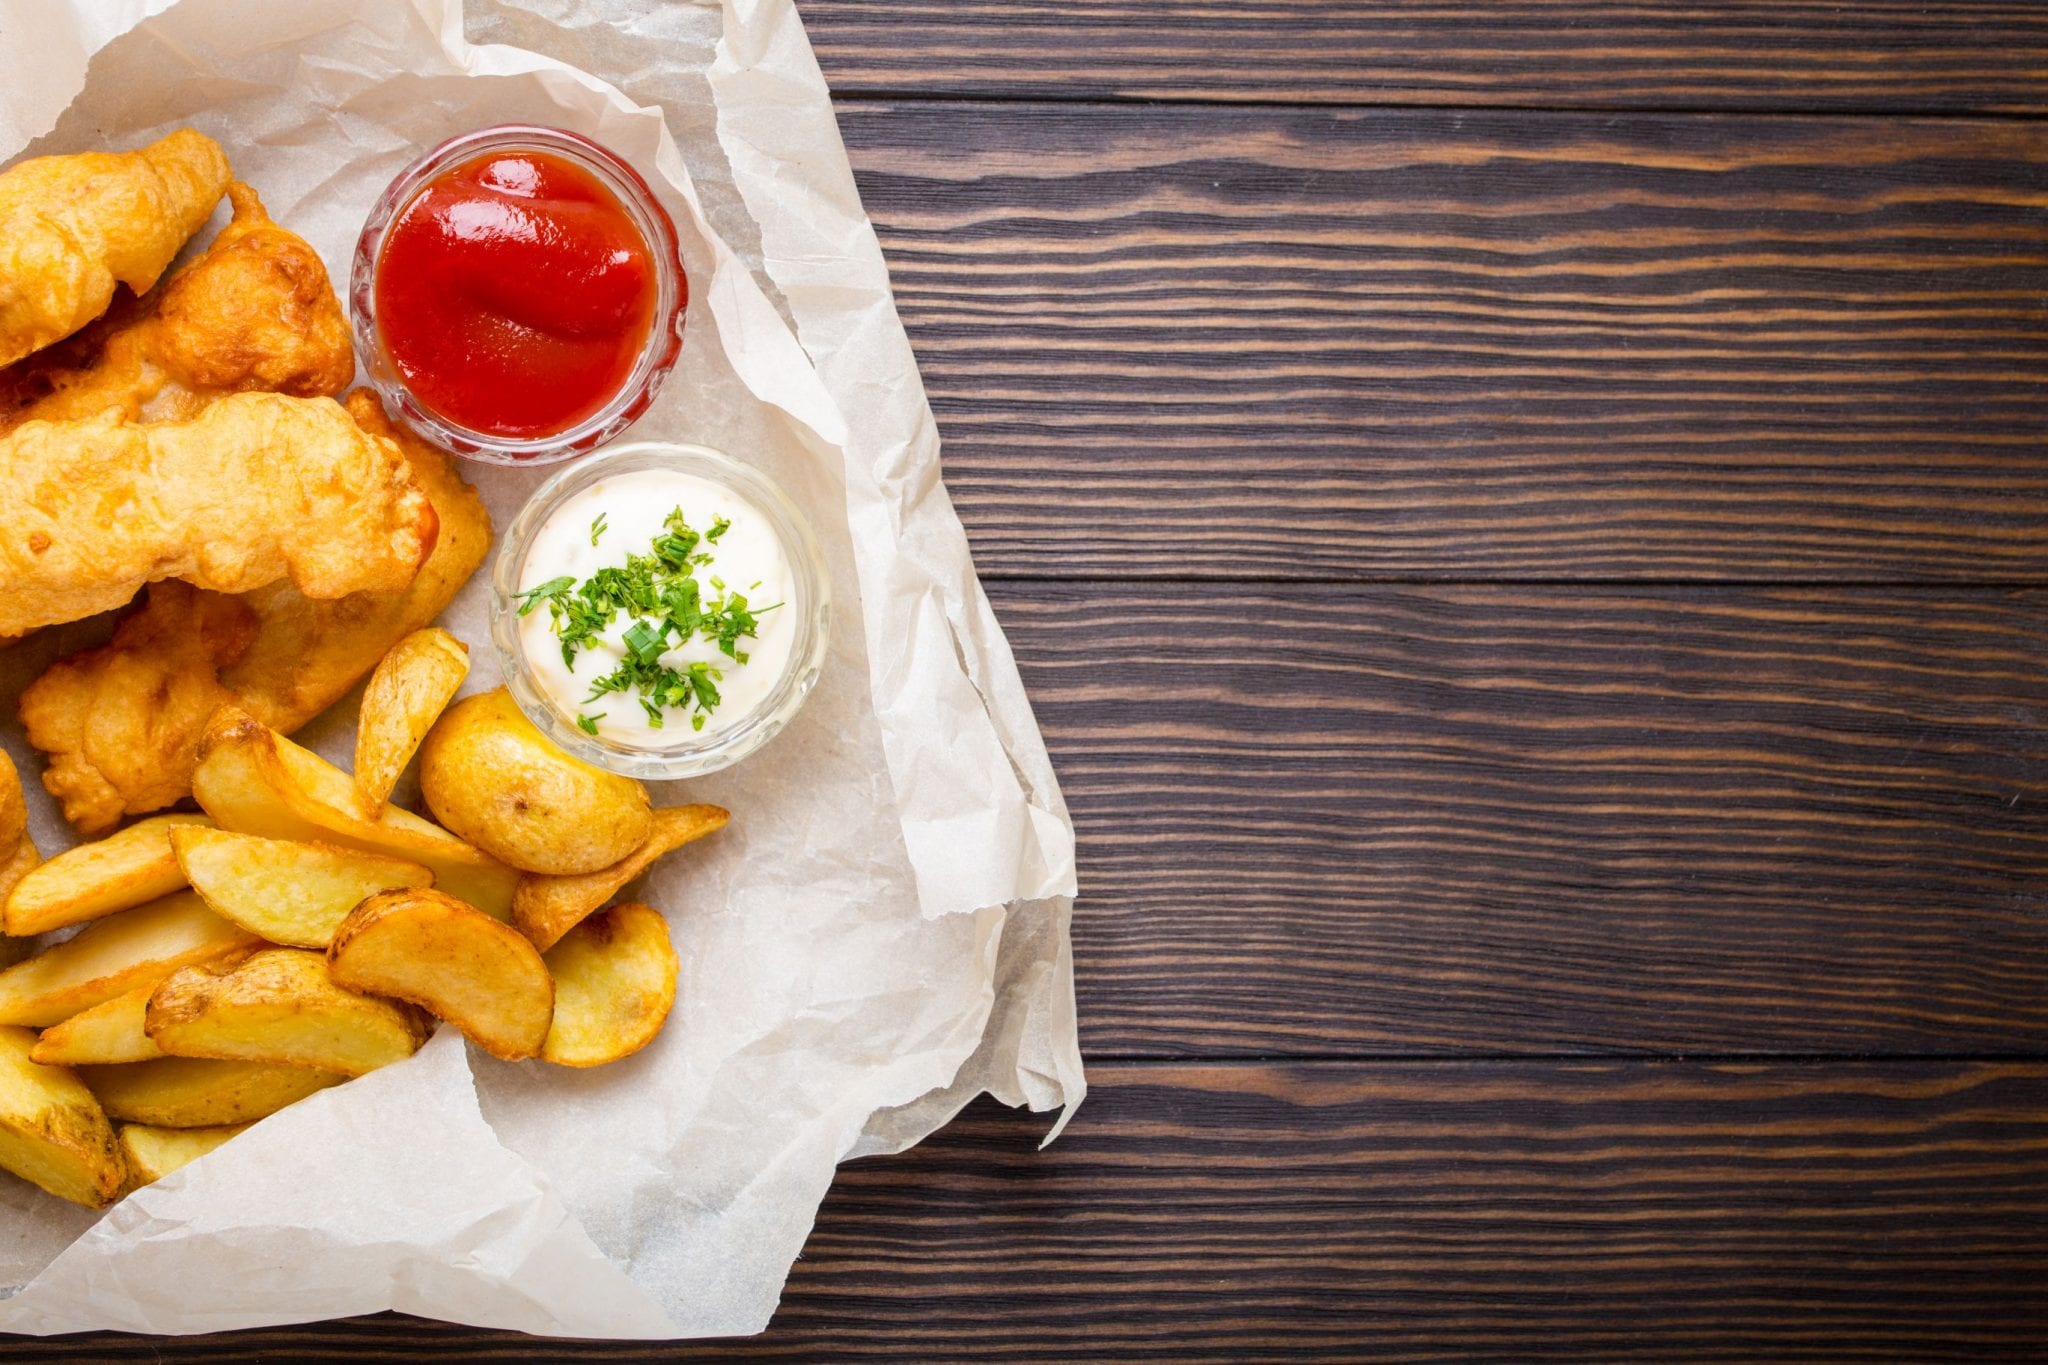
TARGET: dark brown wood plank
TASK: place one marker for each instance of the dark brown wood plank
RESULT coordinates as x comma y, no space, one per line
1220,342
1417,1211
1888,55
1370,821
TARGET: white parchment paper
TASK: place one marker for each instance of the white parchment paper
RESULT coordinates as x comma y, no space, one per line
882,932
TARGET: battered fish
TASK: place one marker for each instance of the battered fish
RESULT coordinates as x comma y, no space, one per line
121,724
13,812
254,311
72,227
257,487
18,854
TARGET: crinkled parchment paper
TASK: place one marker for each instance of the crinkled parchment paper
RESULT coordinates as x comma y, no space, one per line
882,932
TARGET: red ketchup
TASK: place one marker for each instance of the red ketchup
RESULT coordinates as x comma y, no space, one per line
514,294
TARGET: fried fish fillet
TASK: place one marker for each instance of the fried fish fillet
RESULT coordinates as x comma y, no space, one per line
18,856
306,654
253,311
13,811
121,724
257,487
72,227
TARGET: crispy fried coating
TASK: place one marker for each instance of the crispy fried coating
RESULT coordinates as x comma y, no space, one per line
115,719
72,227
18,856
256,488
254,311
121,724
13,810
306,654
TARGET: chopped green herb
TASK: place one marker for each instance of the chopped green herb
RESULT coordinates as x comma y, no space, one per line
554,587
659,594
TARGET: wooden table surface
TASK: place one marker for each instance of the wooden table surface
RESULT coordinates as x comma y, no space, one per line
1526,525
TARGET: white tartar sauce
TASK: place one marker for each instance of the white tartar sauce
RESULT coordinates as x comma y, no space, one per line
636,679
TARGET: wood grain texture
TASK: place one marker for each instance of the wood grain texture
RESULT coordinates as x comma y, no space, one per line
1401,1211
1216,342
1883,55
1391,820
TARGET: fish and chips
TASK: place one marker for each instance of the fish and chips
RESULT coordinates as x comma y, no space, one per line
186,449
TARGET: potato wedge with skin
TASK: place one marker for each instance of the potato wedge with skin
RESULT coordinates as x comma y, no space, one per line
52,1131
153,1153
194,1092
412,686
280,1005
254,781
545,908
488,774
113,956
615,982
289,892
454,962
119,872
106,1034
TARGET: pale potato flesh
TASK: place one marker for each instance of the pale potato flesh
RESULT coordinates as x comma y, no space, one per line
112,956
154,1153
121,871
52,1131
545,908
289,892
615,982
105,1034
497,781
280,1005
193,1092
411,687
451,960
254,781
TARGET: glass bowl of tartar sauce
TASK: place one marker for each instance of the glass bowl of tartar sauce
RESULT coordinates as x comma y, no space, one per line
660,610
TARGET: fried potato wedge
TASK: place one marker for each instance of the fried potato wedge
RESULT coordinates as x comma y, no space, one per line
405,696
153,1153
118,872
280,1005
545,908
193,1092
138,947
254,781
107,1033
490,775
288,892
615,982
451,960
52,1131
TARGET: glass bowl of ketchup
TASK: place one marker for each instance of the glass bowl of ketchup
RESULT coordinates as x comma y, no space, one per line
518,295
